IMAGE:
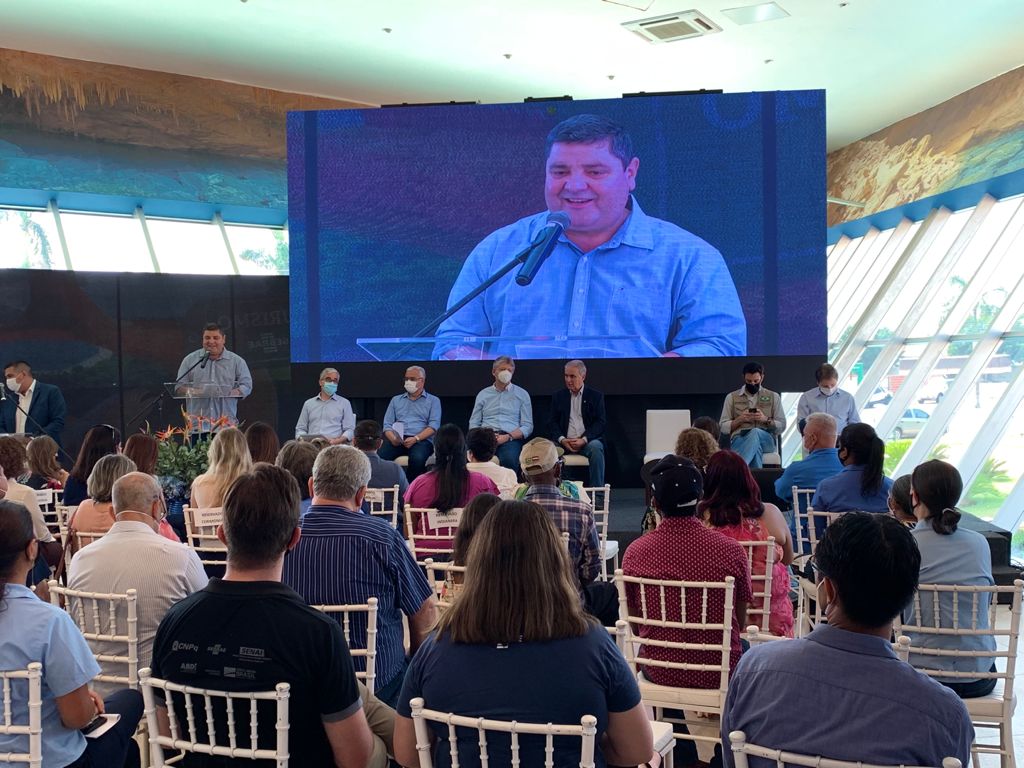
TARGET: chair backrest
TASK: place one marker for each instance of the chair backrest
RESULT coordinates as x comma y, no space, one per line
343,613
64,515
678,617
967,613
810,523
663,427
585,731
437,544
741,750
761,582
383,502
34,701
207,735
44,498
201,533
445,580
105,620
84,538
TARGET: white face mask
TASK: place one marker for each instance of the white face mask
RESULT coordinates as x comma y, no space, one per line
410,387
828,391
504,376
12,384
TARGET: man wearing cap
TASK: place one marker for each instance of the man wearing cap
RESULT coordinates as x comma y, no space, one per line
541,462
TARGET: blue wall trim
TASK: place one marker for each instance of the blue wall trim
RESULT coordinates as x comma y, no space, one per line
1007,185
85,202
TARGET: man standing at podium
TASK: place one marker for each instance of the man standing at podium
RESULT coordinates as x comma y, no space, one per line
214,365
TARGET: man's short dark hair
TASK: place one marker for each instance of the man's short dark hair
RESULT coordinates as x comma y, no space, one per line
825,371
213,327
589,129
19,366
366,434
261,512
753,367
482,443
873,561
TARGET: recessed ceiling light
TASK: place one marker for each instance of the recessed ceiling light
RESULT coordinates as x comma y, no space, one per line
755,14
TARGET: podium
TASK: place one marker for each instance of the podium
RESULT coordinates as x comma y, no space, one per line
519,347
204,401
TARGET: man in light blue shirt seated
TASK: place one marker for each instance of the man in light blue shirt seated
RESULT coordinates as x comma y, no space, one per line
507,410
410,422
821,457
213,367
857,700
828,398
629,284
327,413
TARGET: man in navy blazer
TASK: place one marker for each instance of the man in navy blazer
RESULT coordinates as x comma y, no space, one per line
43,402
577,420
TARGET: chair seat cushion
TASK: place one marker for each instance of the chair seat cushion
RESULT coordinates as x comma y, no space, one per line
664,739
575,460
700,699
991,706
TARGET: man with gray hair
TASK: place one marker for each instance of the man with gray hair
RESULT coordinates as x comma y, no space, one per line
327,413
577,421
132,555
507,410
345,557
410,422
821,460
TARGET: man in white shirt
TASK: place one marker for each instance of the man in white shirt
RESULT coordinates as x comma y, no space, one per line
132,555
482,443
328,413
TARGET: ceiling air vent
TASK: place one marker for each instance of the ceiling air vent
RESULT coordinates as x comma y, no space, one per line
673,26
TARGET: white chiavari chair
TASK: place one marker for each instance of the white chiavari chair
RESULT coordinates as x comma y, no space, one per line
601,501
761,582
383,502
436,545
741,750
33,677
360,645
201,534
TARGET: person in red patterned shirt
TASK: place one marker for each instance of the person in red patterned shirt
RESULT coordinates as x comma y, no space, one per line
681,548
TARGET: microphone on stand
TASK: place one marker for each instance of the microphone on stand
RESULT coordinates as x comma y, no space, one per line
543,245
205,356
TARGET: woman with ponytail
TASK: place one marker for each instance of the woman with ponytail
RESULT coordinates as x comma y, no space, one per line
861,485
950,555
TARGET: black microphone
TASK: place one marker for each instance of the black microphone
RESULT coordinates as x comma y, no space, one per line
558,222
204,358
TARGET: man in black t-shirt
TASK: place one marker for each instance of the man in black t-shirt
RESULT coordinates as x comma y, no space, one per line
248,632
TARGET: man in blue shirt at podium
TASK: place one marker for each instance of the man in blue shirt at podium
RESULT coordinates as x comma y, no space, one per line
614,272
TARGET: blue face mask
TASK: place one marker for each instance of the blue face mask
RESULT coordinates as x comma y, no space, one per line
330,387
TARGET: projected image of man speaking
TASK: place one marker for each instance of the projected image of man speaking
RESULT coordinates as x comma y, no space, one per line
618,283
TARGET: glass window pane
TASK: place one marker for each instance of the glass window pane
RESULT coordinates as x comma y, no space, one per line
189,247
105,243
998,474
259,250
28,240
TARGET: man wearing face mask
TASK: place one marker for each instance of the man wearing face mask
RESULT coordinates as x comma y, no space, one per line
752,416
507,410
828,398
410,422
44,403
327,413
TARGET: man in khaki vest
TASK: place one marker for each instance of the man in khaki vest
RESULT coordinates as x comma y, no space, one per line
752,416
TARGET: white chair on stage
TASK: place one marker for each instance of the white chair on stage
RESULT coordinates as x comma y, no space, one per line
663,427
33,677
383,502
601,501
369,649
741,750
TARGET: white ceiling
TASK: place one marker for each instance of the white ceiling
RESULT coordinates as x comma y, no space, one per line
879,60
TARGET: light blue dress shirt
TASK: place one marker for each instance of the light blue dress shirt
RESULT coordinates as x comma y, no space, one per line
31,630
332,417
840,405
415,415
503,411
229,370
841,493
651,280
807,473
962,557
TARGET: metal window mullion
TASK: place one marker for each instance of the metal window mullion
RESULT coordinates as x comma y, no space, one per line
1012,510
846,305
219,221
841,256
989,433
847,281
51,206
141,216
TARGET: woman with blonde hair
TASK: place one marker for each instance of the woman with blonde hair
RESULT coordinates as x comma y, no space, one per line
42,463
96,513
229,459
696,445
519,628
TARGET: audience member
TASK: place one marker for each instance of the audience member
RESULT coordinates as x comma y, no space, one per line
472,515
508,647
821,457
134,556
96,513
709,424
482,443
346,557
732,505
410,423
950,554
828,398
577,421
753,416
857,700
507,410
327,413
13,461
860,485
542,467
101,440
383,473
229,460
46,471
144,450
696,445
35,631
448,485
900,505
248,632
34,408
297,457
263,442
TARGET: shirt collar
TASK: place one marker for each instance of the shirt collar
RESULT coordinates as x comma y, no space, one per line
18,592
543,489
922,525
851,642
261,588
823,452
336,508
635,231
580,393
131,526
31,389
685,521
851,467
510,387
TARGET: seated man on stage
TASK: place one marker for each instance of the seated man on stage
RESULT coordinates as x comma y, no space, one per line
214,365
828,398
327,413
577,419
410,422
507,410
32,407
753,416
